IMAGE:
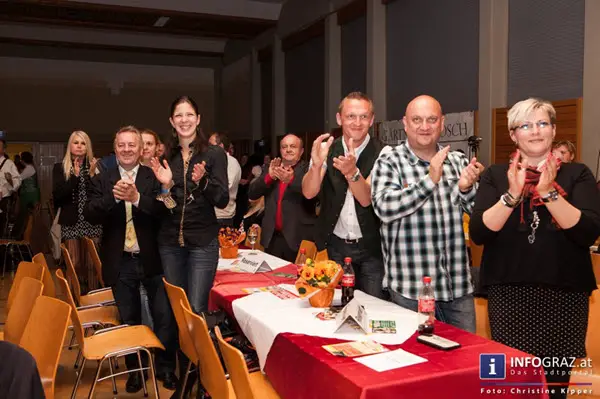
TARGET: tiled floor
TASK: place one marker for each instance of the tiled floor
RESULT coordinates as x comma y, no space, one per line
65,376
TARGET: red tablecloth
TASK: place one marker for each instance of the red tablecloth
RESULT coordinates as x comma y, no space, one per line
228,286
298,367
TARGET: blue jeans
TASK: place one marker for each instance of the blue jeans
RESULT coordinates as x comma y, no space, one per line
146,314
460,312
193,269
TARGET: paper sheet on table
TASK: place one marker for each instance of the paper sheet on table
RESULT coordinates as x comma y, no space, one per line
390,360
262,316
231,264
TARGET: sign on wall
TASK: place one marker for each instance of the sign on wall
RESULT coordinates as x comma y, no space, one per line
458,127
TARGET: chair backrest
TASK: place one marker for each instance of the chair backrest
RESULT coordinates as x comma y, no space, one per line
596,265
310,247
179,300
321,255
93,252
212,374
44,336
77,327
71,273
25,269
236,366
476,253
16,320
49,289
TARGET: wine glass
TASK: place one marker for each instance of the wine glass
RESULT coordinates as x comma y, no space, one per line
252,236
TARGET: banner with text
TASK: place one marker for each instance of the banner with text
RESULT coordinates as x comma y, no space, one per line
458,127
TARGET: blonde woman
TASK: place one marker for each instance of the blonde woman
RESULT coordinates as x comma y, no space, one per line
70,185
151,146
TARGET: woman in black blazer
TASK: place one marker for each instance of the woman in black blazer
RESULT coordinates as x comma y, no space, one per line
70,186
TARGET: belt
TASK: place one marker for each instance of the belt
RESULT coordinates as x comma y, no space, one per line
349,241
133,255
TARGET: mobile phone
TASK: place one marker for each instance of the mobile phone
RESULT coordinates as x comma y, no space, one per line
438,342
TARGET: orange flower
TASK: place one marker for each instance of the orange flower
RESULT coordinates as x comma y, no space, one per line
320,270
308,273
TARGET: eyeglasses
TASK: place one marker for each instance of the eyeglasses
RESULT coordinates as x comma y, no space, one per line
360,118
527,126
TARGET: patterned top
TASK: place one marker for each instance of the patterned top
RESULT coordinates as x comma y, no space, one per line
82,228
422,229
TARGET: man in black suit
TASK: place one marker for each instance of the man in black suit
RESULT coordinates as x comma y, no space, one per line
123,199
289,217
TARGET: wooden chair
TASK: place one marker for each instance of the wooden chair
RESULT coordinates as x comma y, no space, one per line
29,290
246,385
102,295
476,254
596,265
49,288
321,255
25,269
310,247
179,301
257,244
17,244
44,335
110,343
212,374
482,327
93,252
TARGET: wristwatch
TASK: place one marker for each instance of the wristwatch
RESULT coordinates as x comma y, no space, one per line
355,176
550,197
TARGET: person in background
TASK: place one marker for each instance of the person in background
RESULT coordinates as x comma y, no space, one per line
124,200
19,163
234,174
70,189
564,150
339,173
29,193
288,218
160,149
266,162
10,181
194,181
151,146
420,191
537,218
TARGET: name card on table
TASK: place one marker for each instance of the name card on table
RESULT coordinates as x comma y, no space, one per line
253,264
355,315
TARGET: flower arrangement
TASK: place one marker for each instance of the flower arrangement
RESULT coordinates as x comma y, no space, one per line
229,241
318,281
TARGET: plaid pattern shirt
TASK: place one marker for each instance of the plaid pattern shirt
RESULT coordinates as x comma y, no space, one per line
422,228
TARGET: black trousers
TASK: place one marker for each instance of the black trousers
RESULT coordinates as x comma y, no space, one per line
4,216
127,296
279,247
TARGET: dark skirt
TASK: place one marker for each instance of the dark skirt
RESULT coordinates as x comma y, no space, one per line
538,320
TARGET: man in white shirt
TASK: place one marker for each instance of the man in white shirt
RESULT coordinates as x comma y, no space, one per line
10,180
234,175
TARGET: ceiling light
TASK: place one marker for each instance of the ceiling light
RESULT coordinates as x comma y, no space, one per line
161,21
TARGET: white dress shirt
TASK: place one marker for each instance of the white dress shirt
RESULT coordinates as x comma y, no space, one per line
130,175
234,175
9,167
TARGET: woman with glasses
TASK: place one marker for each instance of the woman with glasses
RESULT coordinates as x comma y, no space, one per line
537,218
194,179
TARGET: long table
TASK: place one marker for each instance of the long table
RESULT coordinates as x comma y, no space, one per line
298,366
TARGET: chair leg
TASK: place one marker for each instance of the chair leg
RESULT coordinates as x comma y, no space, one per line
151,363
78,380
93,387
4,264
185,378
139,356
29,250
72,340
112,373
77,359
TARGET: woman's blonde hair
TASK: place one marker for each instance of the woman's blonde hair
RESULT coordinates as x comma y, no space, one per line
521,110
68,160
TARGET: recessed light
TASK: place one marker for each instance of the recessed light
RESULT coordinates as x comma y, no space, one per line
161,21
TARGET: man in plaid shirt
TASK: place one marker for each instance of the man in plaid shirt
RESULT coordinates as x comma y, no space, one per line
420,192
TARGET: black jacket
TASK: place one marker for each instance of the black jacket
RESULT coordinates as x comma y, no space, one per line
298,213
558,258
103,209
65,193
200,224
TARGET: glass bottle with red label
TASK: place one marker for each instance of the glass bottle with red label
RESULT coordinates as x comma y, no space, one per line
347,281
426,307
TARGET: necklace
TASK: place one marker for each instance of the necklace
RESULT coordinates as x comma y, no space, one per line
534,225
